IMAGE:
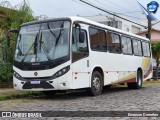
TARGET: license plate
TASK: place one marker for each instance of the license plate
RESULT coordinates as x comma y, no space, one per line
35,82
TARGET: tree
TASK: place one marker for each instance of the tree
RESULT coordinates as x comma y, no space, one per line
13,18
156,56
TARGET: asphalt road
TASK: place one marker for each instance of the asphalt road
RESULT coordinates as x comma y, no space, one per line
113,99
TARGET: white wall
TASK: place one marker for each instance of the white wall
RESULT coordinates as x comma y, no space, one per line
125,24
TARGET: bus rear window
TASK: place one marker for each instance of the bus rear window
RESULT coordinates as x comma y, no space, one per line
137,48
146,49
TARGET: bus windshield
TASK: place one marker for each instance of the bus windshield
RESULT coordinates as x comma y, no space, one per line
43,42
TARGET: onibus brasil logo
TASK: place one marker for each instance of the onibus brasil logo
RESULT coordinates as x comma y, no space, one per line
152,6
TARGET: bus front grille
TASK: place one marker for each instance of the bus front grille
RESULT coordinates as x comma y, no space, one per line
43,85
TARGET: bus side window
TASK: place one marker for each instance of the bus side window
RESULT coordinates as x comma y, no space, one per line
79,49
137,47
146,49
98,39
126,45
114,45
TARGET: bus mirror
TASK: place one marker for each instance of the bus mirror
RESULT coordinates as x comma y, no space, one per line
81,37
78,26
9,35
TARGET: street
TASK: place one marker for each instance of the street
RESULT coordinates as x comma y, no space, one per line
114,99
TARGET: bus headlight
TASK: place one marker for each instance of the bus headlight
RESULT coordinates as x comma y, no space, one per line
16,75
61,72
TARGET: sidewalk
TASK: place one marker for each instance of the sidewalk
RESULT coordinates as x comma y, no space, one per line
6,91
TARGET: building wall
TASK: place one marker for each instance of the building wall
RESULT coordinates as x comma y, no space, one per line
126,26
155,35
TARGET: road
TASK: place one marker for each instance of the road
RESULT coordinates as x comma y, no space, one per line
114,99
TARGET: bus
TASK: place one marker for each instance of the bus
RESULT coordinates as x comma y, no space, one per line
75,53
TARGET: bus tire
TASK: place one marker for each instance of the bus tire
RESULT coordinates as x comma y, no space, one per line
49,93
96,84
138,83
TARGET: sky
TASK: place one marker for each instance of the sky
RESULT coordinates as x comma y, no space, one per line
61,8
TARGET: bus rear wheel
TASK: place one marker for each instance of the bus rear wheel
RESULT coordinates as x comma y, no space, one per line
138,83
96,84
49,93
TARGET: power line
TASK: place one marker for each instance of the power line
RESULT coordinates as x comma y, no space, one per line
132,17
111,13
155,23
130,12
81,5
111,6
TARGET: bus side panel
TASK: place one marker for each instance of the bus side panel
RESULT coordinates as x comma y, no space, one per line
80,73
128,68
117,67
147,68
108,64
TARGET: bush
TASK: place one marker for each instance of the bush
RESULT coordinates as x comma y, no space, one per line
6,73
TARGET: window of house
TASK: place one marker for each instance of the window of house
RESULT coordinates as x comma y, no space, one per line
98,39
113,40
116,24
126,45
135,29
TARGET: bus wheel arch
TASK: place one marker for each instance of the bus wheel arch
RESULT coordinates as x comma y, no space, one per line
139,80
96,82
100,70
140,70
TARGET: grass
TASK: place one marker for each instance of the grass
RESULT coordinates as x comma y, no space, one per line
6,85
36,93
19,95
151,83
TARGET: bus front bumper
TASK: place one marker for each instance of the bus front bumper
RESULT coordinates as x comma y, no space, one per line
40,85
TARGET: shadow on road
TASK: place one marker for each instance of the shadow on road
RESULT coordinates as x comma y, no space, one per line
76,94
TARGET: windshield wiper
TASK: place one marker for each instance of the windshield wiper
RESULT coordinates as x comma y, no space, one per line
33,45
57,37
45,49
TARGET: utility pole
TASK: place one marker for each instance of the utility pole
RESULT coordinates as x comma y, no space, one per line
152,7
149,29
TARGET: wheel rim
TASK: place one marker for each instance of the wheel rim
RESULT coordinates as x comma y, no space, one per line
96,83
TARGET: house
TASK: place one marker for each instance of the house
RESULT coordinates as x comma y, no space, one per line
116,22
155,34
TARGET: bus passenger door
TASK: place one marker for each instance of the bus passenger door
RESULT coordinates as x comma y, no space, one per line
80,57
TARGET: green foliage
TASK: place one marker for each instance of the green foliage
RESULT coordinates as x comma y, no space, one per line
12,20
156,56
13,96
156,50
17,95
5,73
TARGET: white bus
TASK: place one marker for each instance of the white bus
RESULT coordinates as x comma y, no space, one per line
76,53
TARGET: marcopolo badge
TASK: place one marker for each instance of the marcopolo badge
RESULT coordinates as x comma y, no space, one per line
35,73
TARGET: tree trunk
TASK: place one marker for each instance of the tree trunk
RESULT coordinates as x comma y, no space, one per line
156,72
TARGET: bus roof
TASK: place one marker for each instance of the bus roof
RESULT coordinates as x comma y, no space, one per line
80,19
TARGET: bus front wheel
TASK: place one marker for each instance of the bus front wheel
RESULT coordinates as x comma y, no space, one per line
96,84
138,83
